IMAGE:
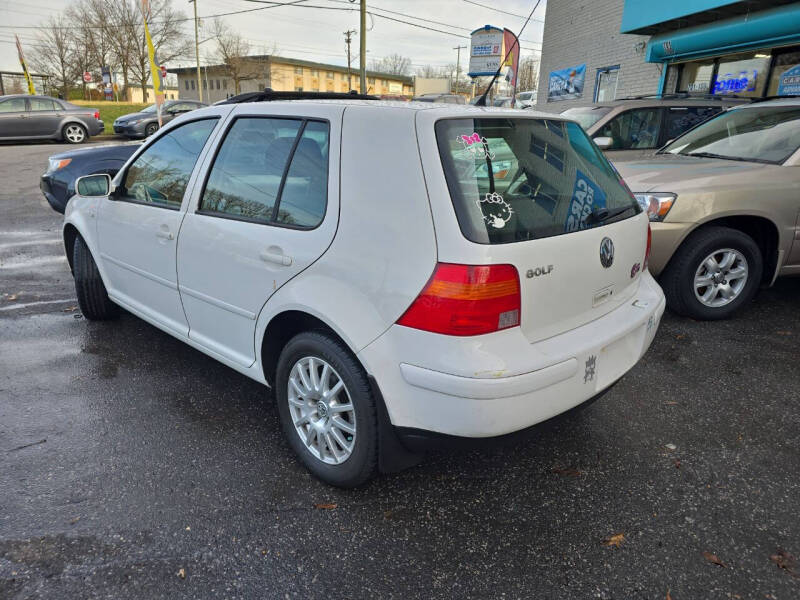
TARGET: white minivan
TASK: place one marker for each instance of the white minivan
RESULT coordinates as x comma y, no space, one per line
396,272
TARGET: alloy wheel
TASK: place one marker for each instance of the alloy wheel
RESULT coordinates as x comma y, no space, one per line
74,133
321,410
721,277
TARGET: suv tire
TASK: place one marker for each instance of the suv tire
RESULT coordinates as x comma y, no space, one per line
728,259
92,296
305,410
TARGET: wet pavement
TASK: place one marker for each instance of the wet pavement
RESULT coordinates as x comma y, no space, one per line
136,467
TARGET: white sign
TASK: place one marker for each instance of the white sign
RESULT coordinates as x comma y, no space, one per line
486,51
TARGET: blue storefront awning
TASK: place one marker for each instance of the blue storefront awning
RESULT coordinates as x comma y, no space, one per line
772,27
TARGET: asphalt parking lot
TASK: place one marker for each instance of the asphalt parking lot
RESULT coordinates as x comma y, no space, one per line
136,467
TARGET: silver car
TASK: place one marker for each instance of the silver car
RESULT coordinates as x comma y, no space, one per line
24,117
144,123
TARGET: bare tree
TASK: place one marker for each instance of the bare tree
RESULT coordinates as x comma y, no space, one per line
528,75
394,64
431,71
54,55
170,41
233,51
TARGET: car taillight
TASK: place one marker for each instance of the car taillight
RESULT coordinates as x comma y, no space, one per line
97,114
649,247
466,300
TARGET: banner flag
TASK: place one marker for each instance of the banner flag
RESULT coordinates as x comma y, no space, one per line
155,68
31,88
511,47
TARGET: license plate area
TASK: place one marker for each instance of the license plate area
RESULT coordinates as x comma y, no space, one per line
615,359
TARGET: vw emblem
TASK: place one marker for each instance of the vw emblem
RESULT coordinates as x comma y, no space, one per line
606,252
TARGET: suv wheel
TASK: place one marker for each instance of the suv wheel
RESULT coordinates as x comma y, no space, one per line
715,272
327,410
92,296
73,133
150,129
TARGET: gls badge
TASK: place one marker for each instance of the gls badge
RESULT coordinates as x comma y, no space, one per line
539,271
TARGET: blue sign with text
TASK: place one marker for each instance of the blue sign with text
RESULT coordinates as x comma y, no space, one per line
789,83
566,84
586,196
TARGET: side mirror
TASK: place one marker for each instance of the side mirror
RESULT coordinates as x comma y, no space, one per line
93,186
604,143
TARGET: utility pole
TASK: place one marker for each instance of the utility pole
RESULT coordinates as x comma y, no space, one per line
197,49
458,49
347,35
362,60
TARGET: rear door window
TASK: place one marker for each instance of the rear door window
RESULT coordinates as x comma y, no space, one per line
521,179
681,119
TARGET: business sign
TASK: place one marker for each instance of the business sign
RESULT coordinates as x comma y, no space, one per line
566,84
486,51
789,82
730,83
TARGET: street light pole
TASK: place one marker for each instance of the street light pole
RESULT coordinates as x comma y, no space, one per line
197,49
363,58
347,37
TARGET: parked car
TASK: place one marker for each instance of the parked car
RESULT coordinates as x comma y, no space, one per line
446,98
25,117
450,304
526,99
635,128
58,181
144,123
501,101
724,201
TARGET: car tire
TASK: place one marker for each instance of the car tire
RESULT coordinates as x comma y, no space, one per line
302,418
89,287
74,133
703,258
150,129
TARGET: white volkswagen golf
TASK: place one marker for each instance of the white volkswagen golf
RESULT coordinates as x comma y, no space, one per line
395,272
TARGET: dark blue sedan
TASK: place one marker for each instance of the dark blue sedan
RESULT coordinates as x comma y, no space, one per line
58,182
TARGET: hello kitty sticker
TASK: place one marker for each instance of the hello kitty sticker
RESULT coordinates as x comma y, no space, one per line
496,211
475,145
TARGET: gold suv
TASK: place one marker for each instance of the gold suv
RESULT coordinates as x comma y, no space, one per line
724,202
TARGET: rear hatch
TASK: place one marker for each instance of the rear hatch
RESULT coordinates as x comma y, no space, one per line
538,194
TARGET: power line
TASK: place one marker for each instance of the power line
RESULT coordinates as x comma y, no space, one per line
505,12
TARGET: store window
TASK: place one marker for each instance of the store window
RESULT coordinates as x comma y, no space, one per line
785,79
742,74
605,88
298,70
696,77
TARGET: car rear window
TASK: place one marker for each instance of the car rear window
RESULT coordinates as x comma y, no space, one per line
514,179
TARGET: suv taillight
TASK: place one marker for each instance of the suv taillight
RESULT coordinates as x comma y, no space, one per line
466,300
649,247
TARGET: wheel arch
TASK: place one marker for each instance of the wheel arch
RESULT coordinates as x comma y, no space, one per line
71,234
763,230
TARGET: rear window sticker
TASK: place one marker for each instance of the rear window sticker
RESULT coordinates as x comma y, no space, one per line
475,145
496,211
586,196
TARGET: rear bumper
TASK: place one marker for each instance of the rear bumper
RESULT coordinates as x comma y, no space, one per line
491,385
97,127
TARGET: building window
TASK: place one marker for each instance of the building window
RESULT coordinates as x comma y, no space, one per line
205,84
696,77
329,74
384,83
314,73
371,80
298,70
785,79
192,83
298,89
605,87
224,84
217,83
186,84
743,74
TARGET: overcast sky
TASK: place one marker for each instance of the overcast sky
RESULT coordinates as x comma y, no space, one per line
317,34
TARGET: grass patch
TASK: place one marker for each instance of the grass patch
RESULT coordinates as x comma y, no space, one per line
110,111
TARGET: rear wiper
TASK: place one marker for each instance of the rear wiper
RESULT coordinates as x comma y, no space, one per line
601,213
724,157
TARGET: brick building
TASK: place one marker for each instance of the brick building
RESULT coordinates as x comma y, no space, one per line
603,50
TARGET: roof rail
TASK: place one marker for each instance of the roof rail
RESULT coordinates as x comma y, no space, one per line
269,95
687,96
776,97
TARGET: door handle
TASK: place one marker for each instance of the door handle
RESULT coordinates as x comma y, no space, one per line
167,235
276,257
